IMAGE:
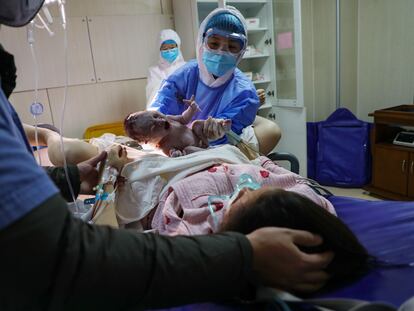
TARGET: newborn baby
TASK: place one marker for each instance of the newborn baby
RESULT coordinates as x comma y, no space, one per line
171,133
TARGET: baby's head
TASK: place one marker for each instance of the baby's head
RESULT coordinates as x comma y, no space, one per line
271,207
147,126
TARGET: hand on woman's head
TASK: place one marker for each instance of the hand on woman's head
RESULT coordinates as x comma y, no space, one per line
285,209
278,258
279,263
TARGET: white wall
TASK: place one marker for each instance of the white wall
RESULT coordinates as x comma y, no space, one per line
377,55
385,55
319,56
111,44
318,43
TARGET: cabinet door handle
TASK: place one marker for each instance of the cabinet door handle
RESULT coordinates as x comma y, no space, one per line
403,166
412,168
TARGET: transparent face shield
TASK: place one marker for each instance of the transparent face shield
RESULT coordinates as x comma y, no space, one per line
216,40
218,202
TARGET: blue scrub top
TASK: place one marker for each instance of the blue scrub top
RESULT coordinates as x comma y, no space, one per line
235,100
23,183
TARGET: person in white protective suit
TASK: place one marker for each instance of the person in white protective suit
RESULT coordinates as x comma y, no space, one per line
220,89
170,59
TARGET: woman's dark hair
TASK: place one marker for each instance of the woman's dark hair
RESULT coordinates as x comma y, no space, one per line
280,208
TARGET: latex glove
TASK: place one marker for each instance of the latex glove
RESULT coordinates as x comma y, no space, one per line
262,96
88,173
280,263
215,128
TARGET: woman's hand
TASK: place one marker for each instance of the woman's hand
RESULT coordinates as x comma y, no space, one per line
88,173
117,157
280,263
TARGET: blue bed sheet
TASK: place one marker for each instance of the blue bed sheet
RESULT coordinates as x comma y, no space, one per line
386,228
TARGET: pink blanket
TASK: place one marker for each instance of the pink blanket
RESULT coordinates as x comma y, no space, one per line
183,208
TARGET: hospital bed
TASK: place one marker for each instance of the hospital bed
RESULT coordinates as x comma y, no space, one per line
386,228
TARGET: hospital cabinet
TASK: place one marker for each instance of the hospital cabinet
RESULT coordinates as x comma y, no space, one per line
393,165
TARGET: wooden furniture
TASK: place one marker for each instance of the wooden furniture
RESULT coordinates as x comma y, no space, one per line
393,165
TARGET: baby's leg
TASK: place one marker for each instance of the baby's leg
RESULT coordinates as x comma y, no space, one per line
76,150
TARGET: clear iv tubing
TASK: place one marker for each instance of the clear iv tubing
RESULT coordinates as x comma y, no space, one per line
36,76
65,90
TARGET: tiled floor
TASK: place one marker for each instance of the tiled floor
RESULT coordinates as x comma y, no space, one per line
352,192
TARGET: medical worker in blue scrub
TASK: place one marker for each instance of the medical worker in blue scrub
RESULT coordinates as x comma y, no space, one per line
170,59
219,88
51,261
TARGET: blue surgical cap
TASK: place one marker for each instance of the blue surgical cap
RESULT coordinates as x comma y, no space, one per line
169,42
227,22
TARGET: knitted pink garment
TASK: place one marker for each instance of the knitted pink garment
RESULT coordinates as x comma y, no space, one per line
183,208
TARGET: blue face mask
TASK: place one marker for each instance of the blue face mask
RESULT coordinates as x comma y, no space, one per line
218,64
245,181
170,55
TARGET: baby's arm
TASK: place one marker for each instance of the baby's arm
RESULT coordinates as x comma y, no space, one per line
188,114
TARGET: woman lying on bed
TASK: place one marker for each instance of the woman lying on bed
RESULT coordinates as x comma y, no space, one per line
244,197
